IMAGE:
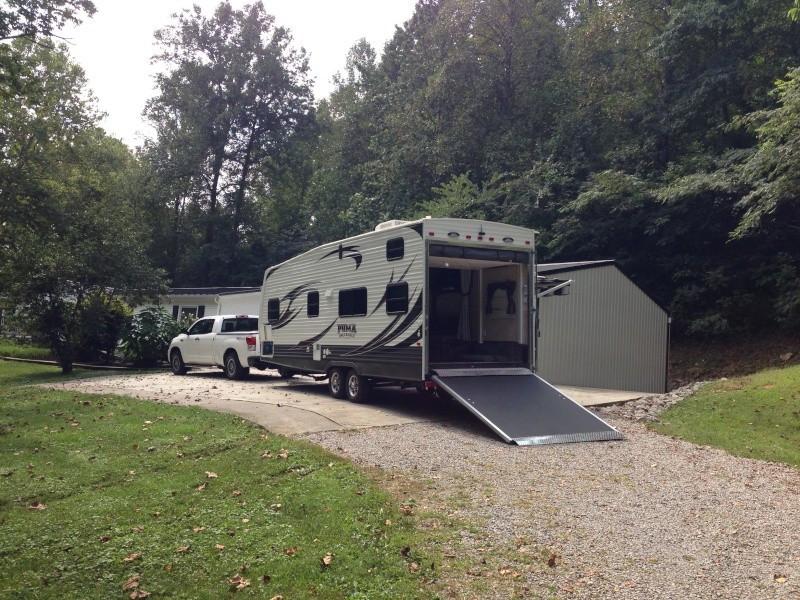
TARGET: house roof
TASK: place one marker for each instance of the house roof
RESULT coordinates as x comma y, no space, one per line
210,291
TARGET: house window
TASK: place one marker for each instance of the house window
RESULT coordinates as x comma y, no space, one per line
395,249
273,310
353,302
397,298
312,304
188,313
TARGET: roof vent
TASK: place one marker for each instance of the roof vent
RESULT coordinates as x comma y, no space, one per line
389,224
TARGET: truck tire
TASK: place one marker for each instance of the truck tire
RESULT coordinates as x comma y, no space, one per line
357,387
233,368
336,383
177,364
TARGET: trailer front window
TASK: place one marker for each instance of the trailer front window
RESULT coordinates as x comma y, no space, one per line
395,249
273,309
312,304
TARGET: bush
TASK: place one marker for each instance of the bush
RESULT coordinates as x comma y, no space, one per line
147,336
102,320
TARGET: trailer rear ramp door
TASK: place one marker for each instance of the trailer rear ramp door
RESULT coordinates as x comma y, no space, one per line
523,408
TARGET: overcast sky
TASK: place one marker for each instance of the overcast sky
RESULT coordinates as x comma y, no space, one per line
115,46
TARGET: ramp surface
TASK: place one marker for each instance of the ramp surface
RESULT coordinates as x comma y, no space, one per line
523,408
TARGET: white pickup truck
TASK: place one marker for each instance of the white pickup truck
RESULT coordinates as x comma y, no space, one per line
227,341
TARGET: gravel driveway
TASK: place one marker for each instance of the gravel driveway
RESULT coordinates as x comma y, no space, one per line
650,517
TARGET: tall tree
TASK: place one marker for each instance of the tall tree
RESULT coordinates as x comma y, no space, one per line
233,93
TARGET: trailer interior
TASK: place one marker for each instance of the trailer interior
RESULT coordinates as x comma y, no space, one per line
478,307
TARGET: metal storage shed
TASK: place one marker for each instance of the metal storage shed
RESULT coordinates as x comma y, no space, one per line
606,333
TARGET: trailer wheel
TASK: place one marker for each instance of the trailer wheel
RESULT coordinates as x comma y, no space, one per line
336,383
286,373
357,387
177,364
233,368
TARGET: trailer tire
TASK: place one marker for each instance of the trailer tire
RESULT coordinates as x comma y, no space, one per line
233,368
177,364
336,383
358,387
286,373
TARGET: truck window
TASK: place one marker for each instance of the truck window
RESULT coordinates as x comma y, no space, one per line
395,248
353,302
397,298
202,326
312,304
273,310
239,324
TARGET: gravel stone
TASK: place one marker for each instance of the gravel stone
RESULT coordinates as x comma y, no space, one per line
649,517
648,408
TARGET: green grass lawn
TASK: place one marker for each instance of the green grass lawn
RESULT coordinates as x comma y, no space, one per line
15,349
756,416
97,492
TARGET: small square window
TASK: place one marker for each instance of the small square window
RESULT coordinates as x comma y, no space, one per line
395,248
273,310
353,302
312,304
397,298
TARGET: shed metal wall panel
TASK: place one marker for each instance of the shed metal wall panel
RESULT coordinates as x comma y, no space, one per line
607,333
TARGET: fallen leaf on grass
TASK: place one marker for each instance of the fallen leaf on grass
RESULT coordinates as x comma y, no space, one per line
183,549
405,551
131,584
328,559
283,453
132,557
201,487
139,594
275,506
266,579
105,539
245,520
276,598
219,547
168,567
779,578
137,529
37,506
198,529
290,551
236,493
239,582
211,475
413,567
266,454
406,509
551,562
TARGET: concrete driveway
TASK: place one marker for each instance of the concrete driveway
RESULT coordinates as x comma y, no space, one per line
299,405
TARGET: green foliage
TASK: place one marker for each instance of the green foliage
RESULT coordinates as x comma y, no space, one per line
147,336
16,349
201,497
756,417
102,320
67,226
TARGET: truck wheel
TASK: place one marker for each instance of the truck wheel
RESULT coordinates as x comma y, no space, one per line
357,387
177,364
336,383
286,373
234,369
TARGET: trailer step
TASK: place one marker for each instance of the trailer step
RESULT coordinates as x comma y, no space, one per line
522,408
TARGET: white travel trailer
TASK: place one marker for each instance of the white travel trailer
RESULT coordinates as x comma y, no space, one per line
447,303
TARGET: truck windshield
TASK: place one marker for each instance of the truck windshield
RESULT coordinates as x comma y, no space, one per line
239,325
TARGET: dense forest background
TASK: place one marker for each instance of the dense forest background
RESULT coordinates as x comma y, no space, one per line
663,134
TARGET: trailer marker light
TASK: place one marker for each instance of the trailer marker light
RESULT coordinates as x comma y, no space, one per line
491,239
469,237
480,237
527,242
453,234
508,240
430,233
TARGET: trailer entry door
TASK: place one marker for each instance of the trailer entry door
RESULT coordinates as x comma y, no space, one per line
523,408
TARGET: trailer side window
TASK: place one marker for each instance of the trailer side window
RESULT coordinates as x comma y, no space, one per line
312,304
353,302
273,310
395,249
397,298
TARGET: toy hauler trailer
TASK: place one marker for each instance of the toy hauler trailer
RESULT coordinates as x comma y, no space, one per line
447,303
